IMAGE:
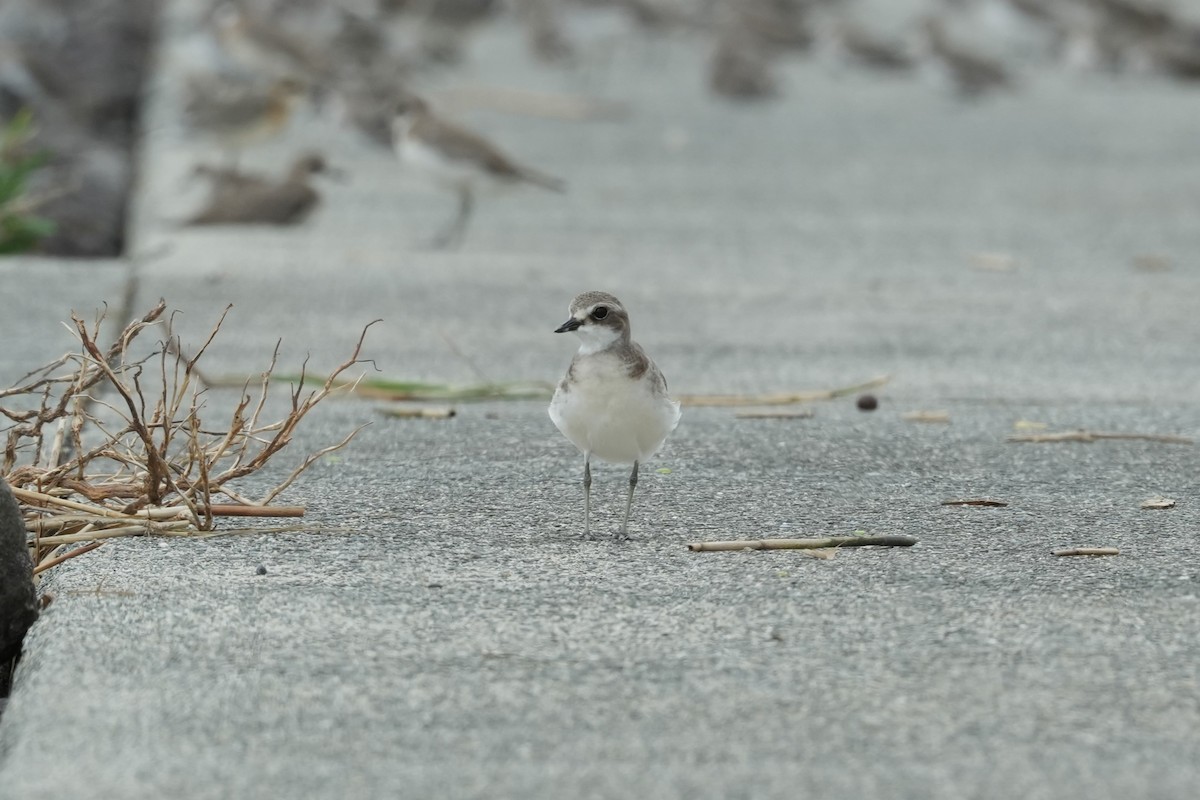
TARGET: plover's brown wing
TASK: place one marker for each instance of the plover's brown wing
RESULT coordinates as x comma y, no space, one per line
226,183
460,144
978,74
286,203
741,69
216,106
873,51
237,113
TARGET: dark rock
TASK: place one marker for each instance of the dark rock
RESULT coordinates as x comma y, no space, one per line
18,600
79,68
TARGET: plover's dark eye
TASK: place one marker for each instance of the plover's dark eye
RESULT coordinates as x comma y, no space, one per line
599,312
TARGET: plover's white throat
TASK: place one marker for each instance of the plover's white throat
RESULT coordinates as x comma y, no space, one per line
613,401
457,159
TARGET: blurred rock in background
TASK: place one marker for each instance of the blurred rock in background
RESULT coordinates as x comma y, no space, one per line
79,68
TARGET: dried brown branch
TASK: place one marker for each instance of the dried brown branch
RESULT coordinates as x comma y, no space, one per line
308,462
240,510
85,469
157,473
56,560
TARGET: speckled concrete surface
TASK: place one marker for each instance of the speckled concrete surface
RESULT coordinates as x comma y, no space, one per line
445,633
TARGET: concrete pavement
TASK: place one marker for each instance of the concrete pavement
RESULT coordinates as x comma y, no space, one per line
445,633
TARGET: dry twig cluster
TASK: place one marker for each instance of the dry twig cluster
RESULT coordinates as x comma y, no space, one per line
106,443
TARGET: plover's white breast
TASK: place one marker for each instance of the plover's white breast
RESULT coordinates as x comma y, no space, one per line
610,415
429,164
433,166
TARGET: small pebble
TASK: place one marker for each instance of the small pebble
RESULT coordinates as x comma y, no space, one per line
260,570
867,402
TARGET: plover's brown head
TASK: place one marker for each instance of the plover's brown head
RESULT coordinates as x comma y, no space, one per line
409,106
313,163
288,89
598,319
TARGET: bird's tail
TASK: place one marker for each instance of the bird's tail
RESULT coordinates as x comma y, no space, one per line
542,179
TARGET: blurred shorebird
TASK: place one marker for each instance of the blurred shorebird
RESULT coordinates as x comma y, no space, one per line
1135,18
367,104
972,74
454,158
1176,52
359,42
236,114
741,68
778,24
446,24
1150,37
240,198
266,50
869,50
544,31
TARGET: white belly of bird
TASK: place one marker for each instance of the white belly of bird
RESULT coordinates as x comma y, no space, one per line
612,417
430,165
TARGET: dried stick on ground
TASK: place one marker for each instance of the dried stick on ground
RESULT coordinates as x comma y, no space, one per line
892,540
779,398
54,561
1095,436
1088,551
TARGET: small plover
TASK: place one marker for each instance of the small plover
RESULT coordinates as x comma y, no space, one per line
613,401
455,158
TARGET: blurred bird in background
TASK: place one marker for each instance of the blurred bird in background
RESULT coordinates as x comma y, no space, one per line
237,114
80,68
238,198
459,160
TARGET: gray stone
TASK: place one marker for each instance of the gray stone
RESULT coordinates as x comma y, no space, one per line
79,68
18,600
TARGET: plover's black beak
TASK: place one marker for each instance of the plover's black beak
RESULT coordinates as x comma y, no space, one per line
569,325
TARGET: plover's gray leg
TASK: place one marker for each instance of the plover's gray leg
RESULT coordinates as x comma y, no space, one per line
587,495
456,231
624,534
